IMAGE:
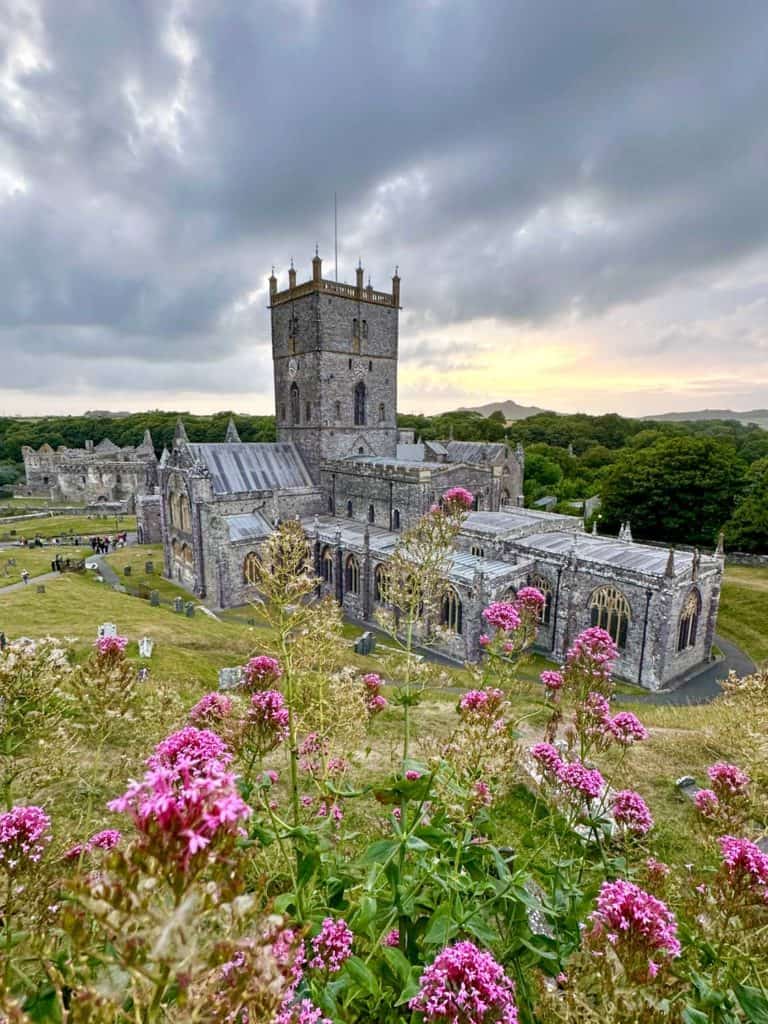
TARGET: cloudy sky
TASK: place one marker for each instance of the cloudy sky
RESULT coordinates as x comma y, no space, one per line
576,195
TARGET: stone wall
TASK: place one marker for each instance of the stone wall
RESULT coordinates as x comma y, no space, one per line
149,528
89,477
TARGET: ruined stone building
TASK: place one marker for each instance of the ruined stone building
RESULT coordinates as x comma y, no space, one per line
341,466
95,475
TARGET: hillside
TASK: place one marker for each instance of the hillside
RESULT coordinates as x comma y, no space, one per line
510,409
757,416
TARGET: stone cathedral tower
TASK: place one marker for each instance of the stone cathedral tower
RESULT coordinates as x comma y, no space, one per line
334,350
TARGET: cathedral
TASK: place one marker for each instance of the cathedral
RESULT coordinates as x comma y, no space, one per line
341,466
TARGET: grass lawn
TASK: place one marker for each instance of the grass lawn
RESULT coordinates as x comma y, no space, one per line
136,556
63,526
35,560
743,614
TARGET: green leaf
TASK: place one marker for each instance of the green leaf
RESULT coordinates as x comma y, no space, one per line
284,901
398,963
362,975
441,926
694,1016
753,1003
379,851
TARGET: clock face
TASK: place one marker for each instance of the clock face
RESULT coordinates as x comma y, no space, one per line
293,368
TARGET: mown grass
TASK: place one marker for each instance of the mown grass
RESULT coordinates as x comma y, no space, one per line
67,526
36,561
743,614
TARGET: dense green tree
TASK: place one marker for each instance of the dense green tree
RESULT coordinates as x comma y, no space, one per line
678,489
747,529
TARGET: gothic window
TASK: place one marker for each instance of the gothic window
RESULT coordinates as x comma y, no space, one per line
370,366
282,412
365,328
308,411
477,550
396,519
382,415
371,514
118,478
451,611
506,498
689,621
337,410
326,565
542,583
609,609
355,328
352,576
330,504
360,404
350,509
251,568
350,364
295,403
381,585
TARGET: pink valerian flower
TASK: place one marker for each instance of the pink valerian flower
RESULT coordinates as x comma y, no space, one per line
392,938
411,775
592,715
591,657
330,810
481,794
106,840
548,759
303,1012
211,710
580,781
189,748
312,753
378,702
268,717
182,808
727,780
332,946
483,703
464,984
631,812
641,928
503,615
656,869
553,681
337,766
375,701
484,640
531,598
746,867
372,681
261,672
459,497
706,803
111,646
24,834
627,728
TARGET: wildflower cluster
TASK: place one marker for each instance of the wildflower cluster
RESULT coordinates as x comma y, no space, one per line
266,721
481,703
746,868
465,984
187,803
375,701
105,840
332,946
631,813
261,672
24,834
638,927
111,646
460,497
503,615
211,710
726,804
589,661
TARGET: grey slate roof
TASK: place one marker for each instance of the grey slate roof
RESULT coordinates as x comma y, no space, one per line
106,446
435,448
247,525
517,522
607,551
238,468
476,451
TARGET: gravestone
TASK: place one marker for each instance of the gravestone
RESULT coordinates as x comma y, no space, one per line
154,598
687,786
41,588
178,604
230,678
91,565
189,610
107,629
126,570
12,561
149,568
146,646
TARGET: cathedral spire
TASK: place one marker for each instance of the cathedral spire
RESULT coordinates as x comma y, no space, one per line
232,436
669,572
180,434
146,441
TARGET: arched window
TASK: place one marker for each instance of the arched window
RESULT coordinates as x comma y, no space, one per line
506,498
337,410
609,609
396,519
360,404
282,411
476,503
295,403
451,611
350,509
330,504
479,551
365,328
542,583
251,568
308,411
371,513
352,576
382,412
381,584
689,621
326,565
355,328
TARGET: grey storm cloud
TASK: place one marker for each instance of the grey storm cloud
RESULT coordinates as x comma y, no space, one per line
519,161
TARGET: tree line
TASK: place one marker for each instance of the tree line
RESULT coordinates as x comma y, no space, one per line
680,482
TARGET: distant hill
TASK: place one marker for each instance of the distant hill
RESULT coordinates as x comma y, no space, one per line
757,416
510,410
